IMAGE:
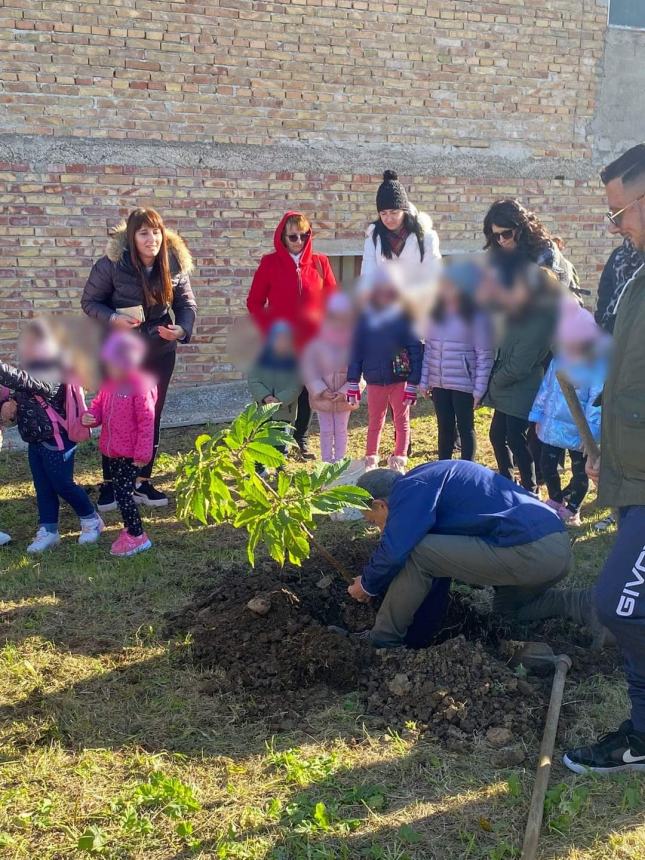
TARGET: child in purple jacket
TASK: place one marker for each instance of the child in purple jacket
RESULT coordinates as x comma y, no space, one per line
458,358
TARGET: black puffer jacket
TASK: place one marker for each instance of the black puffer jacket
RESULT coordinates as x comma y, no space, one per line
115,283
33,423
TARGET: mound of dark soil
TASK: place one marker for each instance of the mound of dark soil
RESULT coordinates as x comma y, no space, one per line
452,688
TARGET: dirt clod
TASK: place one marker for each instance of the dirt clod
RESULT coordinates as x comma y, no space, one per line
499,737
260,605
509,757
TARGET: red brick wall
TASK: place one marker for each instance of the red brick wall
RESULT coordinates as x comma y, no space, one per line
446,72
55,224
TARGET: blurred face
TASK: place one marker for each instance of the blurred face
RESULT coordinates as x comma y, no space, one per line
33,349
383,295
114,371
505,237
627,204
283,344
147,241
392,218
377,514
489,290
514,300
448,294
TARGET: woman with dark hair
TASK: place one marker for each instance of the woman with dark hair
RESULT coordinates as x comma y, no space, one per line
403,234
143,283
515,236
530,306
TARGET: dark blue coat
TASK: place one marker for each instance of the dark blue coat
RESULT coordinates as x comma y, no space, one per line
455,497
375,348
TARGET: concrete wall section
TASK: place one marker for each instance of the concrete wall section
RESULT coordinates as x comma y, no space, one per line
620,113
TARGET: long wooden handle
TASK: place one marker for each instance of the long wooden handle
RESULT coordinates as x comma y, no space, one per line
536,810
590,447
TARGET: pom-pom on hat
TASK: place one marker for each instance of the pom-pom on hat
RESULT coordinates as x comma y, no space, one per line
391,194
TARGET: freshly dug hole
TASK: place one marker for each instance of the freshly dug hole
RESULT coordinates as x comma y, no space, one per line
283,661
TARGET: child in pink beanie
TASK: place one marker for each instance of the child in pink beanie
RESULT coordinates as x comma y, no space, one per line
125,409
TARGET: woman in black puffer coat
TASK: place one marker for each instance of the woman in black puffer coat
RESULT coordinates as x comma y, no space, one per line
143,282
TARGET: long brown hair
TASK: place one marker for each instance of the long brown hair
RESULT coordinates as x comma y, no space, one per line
158,290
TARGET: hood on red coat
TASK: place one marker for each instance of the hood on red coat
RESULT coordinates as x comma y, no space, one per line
307,251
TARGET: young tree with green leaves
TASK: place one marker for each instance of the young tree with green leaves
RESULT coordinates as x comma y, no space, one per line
218,483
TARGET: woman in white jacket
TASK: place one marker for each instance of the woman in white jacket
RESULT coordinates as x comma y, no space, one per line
402,234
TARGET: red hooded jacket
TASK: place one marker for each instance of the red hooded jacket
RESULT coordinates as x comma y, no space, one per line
297,294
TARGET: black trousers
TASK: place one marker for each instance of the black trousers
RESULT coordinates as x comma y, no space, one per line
303,418
509,437
455,412
574,493
161,367
124,476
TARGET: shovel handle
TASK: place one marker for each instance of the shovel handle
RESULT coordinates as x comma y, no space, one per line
536,810
589,443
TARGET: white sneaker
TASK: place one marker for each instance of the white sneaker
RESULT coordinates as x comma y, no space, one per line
43,540
4,538
91,531
371,462
397,464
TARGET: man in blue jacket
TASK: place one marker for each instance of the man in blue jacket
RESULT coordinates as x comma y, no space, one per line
457,519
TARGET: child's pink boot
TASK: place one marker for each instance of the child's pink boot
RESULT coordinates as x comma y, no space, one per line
126,545
371,462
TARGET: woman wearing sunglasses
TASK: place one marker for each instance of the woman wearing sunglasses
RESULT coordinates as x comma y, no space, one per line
515,236
293,284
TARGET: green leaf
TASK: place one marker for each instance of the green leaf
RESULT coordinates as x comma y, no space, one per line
93,841
284,484
267,455
202,440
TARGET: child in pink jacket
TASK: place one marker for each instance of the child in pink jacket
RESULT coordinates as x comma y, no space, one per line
125,409
324,371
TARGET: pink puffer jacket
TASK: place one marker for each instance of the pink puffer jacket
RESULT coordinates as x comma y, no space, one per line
126,412
458,354
324,366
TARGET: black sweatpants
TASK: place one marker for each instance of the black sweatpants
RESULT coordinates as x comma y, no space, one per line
620,602
303,418
124,476
574,493
161,367
509,437
455,412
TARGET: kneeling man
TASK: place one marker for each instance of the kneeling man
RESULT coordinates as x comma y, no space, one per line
460,520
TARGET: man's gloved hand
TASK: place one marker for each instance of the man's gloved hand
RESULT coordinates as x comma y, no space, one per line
353,393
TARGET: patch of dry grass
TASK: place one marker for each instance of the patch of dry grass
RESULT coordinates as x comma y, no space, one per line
109,749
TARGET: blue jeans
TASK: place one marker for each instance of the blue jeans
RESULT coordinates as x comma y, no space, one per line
53,474
620,602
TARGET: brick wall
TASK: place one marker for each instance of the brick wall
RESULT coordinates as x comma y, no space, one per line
55,225
447,72
221,113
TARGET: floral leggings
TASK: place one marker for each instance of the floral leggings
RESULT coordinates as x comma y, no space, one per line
124,475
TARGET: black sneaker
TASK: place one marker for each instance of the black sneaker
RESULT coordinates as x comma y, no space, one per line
615,752
305,453
106,501
145,494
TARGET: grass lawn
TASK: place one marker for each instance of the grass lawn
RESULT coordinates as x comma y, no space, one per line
109,748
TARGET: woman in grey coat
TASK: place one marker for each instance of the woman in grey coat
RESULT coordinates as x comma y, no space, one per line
143,283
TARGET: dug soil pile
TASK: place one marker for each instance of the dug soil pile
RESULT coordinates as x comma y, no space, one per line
453,688
263,637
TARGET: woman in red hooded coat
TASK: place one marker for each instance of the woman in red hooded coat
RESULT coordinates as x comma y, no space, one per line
293,284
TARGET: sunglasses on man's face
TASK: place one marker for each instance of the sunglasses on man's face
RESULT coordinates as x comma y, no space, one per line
504,234
615,217
298,237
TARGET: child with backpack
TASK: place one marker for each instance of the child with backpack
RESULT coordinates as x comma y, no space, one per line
388,354
580,351
5,404
324,369
458,358
48,413
125,410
